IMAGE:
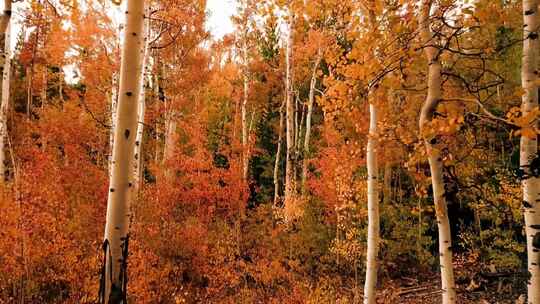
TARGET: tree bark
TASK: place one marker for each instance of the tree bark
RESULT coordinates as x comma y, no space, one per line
311,102
278,153
290,188
114,106
30,75
5,28
373,209
433,98
373,238
245,135
529,147
115,246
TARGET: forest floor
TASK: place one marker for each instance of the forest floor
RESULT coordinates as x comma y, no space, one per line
483,288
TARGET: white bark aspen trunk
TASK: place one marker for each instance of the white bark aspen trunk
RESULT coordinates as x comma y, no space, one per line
115,246
311,102
278,152
296,128
373,237
114,105
373,209
299,126
138,161
245,149
158,100
433,98
290,189
6,78
114,102
529,147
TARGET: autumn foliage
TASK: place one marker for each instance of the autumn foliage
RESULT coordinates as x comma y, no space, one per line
203,233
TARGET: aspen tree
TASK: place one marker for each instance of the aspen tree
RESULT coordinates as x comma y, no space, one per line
245,135
373,237
5,66
290,178
113,287
311,101
373,209
278,152
529,147
434,95
245,76
243,19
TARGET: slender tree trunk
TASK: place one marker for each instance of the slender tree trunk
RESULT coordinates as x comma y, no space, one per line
433,98
30,74
302,109
278,152
529,147
159,97
311,102
114,276
373,209
297,123
373,238
290,188
29,97
5,28
245,135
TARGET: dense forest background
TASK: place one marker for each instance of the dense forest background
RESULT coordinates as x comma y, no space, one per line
225,119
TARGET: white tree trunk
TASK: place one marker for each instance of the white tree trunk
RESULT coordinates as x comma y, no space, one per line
373,237
290,188
529,147
373,209
114,106
158,99
245,135
114,276
311,102
278,153
434,156
6,78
